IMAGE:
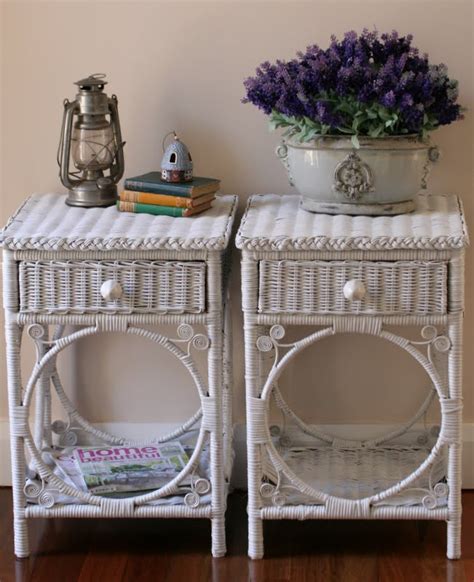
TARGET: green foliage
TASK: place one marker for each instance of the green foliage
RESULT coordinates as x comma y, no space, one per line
359,119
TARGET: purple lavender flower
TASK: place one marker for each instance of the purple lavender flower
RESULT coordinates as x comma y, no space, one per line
380,78
388,100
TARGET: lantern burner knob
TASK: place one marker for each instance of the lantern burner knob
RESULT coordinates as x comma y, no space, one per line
104,182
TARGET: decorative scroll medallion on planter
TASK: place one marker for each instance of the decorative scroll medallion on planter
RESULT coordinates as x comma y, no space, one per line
353,177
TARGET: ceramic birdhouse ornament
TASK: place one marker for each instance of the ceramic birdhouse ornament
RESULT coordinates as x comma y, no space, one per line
176,164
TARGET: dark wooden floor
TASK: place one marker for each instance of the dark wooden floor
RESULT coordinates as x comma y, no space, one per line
178,551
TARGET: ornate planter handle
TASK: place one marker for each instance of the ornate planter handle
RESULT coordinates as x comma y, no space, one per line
433,156
282,153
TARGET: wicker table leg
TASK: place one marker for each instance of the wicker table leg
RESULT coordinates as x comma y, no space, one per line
43,396
250,278
254,460
454,422
227,387
215,374
17,416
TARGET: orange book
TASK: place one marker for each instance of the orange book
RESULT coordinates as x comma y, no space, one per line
165,199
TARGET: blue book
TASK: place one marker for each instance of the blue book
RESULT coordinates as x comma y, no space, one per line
152,183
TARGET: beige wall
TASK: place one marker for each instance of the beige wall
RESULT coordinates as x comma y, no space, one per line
180,66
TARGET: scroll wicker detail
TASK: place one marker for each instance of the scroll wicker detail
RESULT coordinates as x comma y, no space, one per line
47,493
100,271
305,466
360,275
187,335
431,338
65,431
38,492
51,485
199,487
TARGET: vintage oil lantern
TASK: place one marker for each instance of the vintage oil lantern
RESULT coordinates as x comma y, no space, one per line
91,136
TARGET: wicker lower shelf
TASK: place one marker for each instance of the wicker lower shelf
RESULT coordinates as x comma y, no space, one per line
82,510
357,473
190,497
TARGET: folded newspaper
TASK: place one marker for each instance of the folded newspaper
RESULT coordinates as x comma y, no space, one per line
115,469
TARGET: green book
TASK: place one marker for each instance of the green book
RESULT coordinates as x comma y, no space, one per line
137,207
153,184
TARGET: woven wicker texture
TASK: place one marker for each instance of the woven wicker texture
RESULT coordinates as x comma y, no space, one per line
45,223
358,473
274,223
148,286
393,288
353,275
158,270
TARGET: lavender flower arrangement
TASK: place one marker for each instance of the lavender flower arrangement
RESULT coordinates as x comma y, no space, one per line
364,85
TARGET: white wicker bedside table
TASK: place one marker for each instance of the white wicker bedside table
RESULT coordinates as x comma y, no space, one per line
343,274
99,270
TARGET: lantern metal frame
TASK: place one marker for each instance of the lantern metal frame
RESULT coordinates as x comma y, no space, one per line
89,186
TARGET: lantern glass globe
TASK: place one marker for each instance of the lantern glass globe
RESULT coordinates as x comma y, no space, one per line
93,149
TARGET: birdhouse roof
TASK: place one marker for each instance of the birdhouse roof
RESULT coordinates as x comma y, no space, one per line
176,157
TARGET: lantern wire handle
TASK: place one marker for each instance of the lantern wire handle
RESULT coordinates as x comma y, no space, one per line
58,153
166,137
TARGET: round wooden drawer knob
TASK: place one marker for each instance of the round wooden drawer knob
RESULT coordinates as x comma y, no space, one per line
354,290
111,290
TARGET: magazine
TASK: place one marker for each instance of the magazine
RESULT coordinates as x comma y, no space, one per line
67,468
113,469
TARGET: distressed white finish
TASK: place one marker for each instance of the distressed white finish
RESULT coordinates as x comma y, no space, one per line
111,286
321,286
99,271
277,223
304,269
42,223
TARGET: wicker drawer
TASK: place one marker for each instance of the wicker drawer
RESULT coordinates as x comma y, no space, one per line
144,286
389,288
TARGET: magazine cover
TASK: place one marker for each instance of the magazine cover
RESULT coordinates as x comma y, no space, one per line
67,468
111,469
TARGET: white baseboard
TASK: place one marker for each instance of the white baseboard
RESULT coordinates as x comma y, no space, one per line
5,477
239,477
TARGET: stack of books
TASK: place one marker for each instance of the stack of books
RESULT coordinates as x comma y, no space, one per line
150,194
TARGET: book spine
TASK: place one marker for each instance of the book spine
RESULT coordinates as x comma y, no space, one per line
178,189
150,209
161,199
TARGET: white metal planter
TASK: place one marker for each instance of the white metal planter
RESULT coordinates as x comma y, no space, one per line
381,177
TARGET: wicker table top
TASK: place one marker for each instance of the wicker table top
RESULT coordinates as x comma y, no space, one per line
276,223
45,223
